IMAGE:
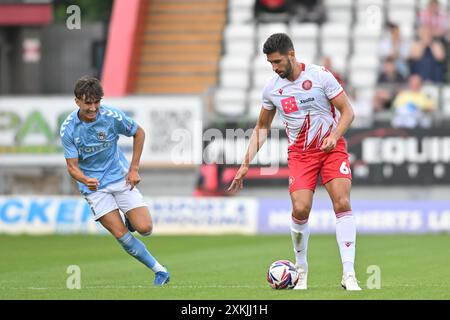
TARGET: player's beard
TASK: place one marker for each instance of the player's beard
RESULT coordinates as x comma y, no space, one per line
288,71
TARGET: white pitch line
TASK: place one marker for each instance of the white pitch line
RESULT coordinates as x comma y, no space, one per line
150,286
141,287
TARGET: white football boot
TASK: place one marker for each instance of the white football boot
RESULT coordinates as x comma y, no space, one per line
302,283
350,283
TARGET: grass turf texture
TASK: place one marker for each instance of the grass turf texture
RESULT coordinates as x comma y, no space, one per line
219,267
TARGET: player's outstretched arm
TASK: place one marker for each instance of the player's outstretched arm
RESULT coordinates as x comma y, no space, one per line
259,136
342,103
133,178
76,173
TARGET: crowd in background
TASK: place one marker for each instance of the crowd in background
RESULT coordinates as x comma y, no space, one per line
405,65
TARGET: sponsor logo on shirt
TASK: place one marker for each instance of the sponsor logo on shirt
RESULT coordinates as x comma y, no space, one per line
307,100
101,147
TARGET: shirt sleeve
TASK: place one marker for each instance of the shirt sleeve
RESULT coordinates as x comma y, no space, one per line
266,102
70,150
124,125
330,85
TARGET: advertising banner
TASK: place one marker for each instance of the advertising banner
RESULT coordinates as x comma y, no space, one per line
183,216
52,214
204,216
378,156
370,216
29,128
400,156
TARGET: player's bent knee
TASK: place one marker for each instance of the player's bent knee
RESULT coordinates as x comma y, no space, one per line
341,205
145,230
119,232
301,211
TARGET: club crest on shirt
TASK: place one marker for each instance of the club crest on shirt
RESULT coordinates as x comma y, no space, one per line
280,91
307,84
101,135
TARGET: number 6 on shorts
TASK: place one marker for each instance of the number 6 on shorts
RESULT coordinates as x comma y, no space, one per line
344,169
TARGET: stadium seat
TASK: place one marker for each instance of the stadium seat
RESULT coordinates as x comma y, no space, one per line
235,62
333,31
305,58
308,31
261,77
362,79
340,16
260,62
339,11
402,15
230,103
343,4
241,16
239,38
366,62
265,30
335,48
371,16
366,38
365,47
237,47
334,39
239,31
234,79
362,4
240,11
305,37
306,50
339,63
408,4
363,70
362,31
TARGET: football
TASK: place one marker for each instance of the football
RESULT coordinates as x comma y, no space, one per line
282,274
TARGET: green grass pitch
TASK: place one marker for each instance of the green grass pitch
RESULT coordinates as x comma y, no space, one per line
219,267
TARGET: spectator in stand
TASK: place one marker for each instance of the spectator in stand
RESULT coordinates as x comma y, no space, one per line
395,47
434,18
412,106
389,83
427,57
328,64
272,10
310,11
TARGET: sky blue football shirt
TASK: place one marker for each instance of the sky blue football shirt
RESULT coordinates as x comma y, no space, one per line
95,145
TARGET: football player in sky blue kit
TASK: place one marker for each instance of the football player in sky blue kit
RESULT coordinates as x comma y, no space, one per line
105,178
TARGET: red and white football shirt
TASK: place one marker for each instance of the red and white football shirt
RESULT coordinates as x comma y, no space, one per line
304,105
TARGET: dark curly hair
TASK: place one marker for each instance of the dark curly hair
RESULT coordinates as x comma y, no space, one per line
278,42
88,88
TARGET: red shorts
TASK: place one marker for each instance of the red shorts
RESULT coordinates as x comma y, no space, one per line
304,168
